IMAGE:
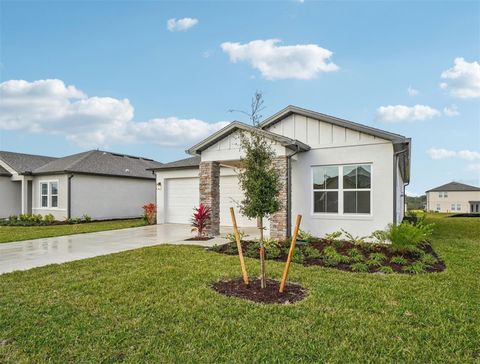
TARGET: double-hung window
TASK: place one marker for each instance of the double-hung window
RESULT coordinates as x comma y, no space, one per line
49,194
453,207
342,189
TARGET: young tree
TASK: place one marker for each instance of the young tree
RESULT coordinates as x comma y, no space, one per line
259,180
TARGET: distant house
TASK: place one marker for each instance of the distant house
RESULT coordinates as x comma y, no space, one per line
101,184
336,173
454,197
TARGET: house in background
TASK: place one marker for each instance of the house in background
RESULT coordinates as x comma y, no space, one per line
101,184
336,173
454,197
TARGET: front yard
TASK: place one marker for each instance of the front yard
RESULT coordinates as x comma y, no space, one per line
16,233
155,305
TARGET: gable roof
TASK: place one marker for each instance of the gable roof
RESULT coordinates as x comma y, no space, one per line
454,186
237,125
4,172
24,163
291,109
192,162
99,162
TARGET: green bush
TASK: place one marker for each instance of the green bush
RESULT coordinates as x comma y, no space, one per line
13,218
311,252
355,255
374,263
407,236
377,256
48,219
332,258
357,240
428,259
231,237
386,270
297,256
398,259
333,236
231,248
253,250
86,218
273,251
359,267
415,268
304,236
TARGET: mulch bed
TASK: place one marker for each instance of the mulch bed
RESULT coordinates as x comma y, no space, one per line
253,292
199,238
342,247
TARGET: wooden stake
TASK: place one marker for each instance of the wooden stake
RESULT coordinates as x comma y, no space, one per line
290,254
239,246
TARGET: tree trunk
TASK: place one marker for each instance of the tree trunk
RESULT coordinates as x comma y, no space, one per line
262,253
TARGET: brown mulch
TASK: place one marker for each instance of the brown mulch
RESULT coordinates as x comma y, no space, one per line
199,238
253,292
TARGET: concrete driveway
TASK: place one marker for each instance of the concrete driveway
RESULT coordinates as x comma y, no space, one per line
28,254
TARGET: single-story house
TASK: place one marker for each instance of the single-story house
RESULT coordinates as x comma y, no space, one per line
454,197
336,173
97,183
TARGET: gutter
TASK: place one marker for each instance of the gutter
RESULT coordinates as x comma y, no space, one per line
69,196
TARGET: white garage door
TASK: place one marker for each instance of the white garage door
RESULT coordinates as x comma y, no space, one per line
230,196
181,196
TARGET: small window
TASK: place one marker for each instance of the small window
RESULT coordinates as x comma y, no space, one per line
44,194
54,194
459,207
445,194
440,194
453,207
438,207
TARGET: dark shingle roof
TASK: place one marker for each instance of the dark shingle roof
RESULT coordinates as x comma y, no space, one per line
192,162
455,186
101,163
4,172
24,162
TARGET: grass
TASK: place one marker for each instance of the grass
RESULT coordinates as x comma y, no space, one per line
155,305
17,233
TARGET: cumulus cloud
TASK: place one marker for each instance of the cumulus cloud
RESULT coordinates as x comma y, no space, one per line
275,62
441,153
397,113
50,106
463,79
181,25
411,91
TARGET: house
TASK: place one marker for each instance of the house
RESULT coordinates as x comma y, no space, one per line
454,197
336,173
101,184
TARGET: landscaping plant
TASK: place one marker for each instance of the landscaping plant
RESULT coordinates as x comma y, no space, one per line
200,219
407,236
150,213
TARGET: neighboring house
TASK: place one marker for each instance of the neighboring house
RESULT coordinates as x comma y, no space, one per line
336,173
100,184
16,185
454,197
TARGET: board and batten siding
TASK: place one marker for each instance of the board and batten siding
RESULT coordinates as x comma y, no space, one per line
105,197
10,197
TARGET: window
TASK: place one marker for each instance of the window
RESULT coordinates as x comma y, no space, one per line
325,189
445,194
453,207
44,194
49,194
440,194
438,207
342,189
459,207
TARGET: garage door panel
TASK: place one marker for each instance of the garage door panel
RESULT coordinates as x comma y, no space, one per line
230,196
182,195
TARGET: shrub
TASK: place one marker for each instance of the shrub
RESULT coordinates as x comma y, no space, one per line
333,236
428,259
356,240
386,270
332,258
200,219
311,252
253,250
304,236
407,236
355,255
86,218
374,263
297,256
273,251
398,259
48,219
231,249
231,237
13,218
150,213
359,267
415,268
380,236
377,256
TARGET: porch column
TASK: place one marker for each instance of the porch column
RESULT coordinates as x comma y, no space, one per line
25,197
279,220
210,193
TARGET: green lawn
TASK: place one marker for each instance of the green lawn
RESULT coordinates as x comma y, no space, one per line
155,305
15,233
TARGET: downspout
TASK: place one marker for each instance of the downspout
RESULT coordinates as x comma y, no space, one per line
69,196
289,190
395,176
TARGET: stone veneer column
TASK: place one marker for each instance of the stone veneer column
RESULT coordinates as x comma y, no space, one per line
210,194
279,220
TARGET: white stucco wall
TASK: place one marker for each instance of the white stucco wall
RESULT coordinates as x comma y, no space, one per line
454,197
10,197
110,197
381,158
59,212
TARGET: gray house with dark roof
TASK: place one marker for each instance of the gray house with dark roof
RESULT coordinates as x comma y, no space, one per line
101,184
454,197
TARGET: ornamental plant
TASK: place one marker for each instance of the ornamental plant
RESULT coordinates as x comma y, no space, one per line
150,213
200,219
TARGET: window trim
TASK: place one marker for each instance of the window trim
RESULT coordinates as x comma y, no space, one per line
49,194
340,192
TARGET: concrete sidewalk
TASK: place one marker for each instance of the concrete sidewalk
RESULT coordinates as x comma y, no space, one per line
29,254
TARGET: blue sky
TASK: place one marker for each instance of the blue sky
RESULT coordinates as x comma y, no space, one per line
127,83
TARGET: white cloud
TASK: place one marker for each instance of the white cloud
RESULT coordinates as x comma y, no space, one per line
411,91
49,106
463,79
474,167
451,111
181,25
275,62
396,113
440,153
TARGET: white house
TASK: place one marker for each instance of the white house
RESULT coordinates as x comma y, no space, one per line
100,184
336,173
454,197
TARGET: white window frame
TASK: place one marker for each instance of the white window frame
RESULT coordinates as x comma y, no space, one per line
49,194
445,195
452,207
438,207
340,192
440,194
459,207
